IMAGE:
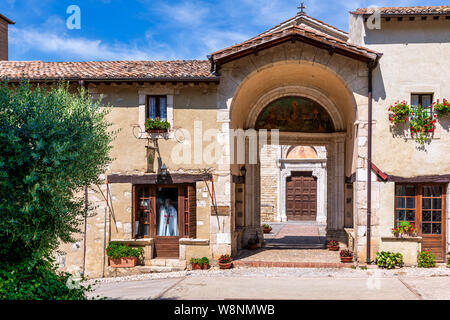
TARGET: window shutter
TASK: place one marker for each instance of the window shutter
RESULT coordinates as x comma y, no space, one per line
192,207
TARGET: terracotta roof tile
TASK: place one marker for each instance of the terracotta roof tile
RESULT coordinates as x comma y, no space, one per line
405,10
297,30
107,70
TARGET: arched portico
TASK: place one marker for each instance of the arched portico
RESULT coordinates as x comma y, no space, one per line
324,87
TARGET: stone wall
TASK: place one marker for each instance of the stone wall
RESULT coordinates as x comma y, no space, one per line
193,107
270,174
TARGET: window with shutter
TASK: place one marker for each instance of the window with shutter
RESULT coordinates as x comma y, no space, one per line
192,210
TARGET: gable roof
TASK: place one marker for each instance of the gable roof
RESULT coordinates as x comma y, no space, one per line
305,20
302,33
179,70
6,19
418,10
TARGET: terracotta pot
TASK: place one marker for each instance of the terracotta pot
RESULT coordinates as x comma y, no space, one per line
126,262
252,246
196,266
333,248
267,230
225,265
346,259
205,266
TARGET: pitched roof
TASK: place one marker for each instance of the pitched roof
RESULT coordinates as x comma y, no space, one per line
304,19
303,33
179,70
6,19
419,10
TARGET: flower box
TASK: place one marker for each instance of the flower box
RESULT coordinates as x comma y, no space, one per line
156,131
127,262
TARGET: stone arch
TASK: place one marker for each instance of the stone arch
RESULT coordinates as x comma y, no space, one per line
239,85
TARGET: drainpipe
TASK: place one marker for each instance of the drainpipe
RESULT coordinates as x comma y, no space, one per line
369,163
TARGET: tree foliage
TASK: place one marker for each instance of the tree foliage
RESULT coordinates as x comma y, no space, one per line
53,143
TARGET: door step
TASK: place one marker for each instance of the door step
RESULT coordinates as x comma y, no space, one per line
295,246
123,272
169,263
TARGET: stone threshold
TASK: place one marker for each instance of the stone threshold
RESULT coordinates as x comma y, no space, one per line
280,264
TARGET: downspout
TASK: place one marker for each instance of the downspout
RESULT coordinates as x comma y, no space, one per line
85,226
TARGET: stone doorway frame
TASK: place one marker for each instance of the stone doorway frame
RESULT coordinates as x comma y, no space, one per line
318,169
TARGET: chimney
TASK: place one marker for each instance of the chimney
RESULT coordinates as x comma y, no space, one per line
4,22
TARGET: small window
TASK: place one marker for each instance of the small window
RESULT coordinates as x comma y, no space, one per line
156,107
425,100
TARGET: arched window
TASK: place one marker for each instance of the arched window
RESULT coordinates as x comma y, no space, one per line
302,152
295,114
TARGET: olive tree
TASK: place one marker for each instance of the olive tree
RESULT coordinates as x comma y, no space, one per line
53,142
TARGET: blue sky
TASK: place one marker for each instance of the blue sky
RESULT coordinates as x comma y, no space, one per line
156,29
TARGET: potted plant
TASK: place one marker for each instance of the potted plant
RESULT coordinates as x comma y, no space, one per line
122,255
346,256
225,261
156,125
406,229
204,263
389,260
252,244
426,259
333,245
266,228
196,263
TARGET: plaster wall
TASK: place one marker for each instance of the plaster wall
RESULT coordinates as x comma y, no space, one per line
194,108
415,55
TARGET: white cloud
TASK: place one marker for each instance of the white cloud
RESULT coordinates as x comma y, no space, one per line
62,45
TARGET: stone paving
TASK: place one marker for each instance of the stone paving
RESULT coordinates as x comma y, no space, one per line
291,242
281,283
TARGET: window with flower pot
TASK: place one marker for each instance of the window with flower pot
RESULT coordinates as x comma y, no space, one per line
424,205
156,107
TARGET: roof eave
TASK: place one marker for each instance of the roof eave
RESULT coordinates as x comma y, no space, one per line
225,58
162,79
9,21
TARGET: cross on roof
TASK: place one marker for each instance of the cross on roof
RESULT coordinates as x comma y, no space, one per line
301,8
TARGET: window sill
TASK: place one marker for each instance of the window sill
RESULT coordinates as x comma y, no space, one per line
143,241
194,242
407,239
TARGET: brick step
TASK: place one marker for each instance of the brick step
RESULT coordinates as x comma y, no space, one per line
279,264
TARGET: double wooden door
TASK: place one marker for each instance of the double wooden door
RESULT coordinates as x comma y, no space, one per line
301,197
164,213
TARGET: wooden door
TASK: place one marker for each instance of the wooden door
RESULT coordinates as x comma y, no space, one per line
301,197
168,246
431,220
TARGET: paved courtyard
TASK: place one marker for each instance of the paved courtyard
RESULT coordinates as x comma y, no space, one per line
279,283
298,242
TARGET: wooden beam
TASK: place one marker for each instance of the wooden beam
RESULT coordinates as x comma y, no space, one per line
173,178
445,178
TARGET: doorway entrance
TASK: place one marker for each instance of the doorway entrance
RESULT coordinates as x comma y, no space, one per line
301,197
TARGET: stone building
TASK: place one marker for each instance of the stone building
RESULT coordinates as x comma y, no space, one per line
326,91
